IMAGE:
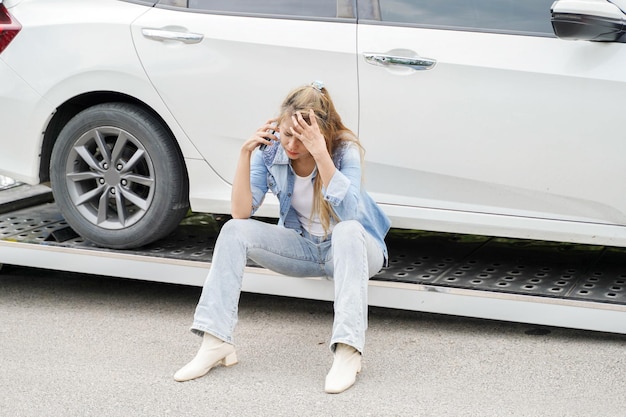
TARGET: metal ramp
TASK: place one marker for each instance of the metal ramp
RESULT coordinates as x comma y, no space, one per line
556,284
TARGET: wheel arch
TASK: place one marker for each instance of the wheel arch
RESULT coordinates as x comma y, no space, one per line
65,112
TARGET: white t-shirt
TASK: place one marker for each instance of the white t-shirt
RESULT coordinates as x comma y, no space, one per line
302,202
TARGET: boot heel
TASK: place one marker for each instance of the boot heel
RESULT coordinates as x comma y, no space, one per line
230,360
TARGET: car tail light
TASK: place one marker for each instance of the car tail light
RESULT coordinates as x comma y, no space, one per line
9,27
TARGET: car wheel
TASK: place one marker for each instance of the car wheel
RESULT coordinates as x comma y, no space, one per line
118,177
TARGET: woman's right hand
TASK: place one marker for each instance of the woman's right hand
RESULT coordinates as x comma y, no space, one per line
262,136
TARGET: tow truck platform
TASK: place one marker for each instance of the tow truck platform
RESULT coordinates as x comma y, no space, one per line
535,282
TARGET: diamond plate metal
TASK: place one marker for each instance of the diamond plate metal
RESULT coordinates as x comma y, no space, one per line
421,257
522,267
604,282
557,270
30,225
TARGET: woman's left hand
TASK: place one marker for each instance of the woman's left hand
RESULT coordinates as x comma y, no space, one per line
309,134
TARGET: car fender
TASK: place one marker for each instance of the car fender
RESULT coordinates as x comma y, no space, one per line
61,74
136,86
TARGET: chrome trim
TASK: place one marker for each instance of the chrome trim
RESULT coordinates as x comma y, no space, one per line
416,63
168,35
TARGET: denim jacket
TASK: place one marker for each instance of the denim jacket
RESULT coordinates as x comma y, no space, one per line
271,169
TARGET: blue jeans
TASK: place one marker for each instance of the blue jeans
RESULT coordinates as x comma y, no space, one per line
349,256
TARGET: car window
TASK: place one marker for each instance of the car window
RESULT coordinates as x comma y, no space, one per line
302,8
528,16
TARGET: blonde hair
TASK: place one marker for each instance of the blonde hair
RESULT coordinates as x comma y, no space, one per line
335,133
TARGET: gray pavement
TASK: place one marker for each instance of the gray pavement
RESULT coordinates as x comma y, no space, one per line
79,345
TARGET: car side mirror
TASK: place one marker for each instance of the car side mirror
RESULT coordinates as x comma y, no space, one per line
589,20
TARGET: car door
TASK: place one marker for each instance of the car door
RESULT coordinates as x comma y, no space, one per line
479,108
223,67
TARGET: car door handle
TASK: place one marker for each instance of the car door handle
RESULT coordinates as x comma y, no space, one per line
416,63
171,35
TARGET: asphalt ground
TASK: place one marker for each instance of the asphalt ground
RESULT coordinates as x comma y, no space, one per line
82,345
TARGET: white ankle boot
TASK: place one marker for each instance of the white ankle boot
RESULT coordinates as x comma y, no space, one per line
346,365
213,351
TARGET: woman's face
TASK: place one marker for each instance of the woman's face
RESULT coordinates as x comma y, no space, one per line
293,147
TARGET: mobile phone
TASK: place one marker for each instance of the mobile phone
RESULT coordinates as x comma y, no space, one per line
263,146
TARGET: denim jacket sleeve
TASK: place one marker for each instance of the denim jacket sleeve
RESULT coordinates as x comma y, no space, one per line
350,201
344,190
258,180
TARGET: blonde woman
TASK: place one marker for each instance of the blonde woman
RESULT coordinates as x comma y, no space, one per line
328,226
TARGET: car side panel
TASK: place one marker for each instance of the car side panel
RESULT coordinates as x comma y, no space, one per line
503,124
223,88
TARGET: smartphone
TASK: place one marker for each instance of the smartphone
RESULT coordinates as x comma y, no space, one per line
262,147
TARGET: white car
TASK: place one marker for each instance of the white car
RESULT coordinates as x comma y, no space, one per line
475,117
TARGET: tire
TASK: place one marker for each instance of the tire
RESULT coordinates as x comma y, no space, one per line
118,177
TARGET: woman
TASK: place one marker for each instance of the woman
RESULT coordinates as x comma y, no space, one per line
328,226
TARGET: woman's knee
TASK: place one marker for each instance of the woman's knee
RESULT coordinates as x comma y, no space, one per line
236,230
234,225
349,229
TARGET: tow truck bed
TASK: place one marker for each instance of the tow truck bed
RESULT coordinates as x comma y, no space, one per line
555,284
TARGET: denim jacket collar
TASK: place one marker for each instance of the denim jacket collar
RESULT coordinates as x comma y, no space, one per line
275,155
